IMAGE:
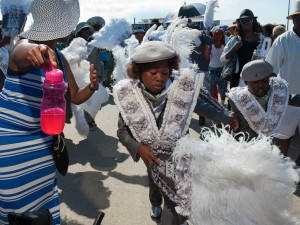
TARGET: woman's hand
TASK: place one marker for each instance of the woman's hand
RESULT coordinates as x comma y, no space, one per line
41,55
237,46
147,156
94,85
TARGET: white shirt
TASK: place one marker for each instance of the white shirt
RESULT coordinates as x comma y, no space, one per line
215,55
284,56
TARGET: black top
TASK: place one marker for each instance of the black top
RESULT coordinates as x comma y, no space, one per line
245,53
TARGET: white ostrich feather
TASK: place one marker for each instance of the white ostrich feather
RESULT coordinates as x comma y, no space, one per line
76,51
170,30
131,44
76,54
182,39
238,182
112,34
148,33
209,13
80,123
94,103
120,56
158,34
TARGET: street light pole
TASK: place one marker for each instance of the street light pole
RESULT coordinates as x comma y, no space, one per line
287,25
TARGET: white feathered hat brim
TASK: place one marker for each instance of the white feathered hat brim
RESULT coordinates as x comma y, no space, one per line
52,19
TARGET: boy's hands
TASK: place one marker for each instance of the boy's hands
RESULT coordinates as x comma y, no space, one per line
147,156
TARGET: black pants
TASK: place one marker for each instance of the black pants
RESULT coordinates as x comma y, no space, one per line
155,196
169,216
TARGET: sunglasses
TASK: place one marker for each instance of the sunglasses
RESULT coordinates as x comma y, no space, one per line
246,20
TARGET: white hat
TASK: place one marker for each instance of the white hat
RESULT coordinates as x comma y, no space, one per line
152,51
52,19
256,70
296,10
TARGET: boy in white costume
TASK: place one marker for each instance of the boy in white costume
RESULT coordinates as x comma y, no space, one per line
261,104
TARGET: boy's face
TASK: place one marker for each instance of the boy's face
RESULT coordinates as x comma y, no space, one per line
155,76
260,87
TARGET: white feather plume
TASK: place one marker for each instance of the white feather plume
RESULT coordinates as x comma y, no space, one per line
183,39
158,34
131,44
238,182
76,51
209,13
148,33
112,34
80,123
76,54
121,60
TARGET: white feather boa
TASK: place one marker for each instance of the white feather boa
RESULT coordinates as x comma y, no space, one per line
235,182
76,54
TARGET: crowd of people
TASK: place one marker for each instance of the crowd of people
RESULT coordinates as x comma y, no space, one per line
261,99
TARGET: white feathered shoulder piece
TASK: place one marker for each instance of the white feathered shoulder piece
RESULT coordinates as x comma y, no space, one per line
235,182
76,55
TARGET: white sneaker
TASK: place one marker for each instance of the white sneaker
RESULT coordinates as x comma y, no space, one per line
155,211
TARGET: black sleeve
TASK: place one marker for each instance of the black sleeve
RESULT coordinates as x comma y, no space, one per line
126,138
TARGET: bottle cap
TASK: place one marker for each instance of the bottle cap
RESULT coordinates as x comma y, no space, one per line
53,75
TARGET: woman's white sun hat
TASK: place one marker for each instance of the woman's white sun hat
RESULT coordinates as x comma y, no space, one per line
52,19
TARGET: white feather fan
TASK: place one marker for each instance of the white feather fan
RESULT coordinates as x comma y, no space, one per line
236,182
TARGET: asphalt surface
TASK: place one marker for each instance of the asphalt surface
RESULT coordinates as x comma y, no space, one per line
102,176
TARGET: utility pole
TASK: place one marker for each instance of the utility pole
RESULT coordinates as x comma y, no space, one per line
287,23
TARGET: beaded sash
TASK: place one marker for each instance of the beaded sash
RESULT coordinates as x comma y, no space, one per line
261,121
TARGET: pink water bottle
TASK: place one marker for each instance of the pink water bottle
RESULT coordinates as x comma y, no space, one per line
53,104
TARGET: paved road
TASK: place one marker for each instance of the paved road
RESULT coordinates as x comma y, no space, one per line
102,176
